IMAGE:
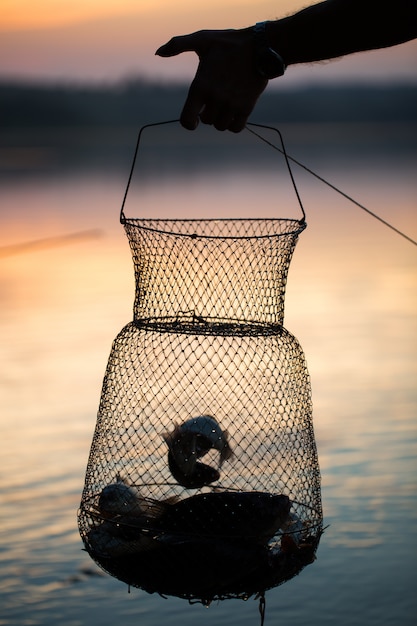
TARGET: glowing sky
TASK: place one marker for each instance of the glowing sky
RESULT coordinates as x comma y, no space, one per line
110,39
46,13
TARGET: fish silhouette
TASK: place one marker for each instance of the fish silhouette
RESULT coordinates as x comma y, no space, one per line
119,500
208,434
250,516
189,442
199,476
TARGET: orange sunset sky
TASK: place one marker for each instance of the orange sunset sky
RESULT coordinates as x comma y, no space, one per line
108,40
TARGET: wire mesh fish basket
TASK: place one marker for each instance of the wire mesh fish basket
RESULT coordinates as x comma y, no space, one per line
203,479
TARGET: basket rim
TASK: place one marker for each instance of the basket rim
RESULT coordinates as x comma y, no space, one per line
146,224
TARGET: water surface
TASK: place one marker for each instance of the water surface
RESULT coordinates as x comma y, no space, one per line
351,302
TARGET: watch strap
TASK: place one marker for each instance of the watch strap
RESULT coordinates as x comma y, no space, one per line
262,45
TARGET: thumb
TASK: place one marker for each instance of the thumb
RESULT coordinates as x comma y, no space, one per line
179,44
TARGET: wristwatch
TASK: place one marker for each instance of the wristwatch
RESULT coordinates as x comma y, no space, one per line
268,63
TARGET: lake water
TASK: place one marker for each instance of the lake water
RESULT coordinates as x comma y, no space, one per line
351,302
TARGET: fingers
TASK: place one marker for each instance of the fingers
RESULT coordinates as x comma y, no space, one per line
225,88
222,117
195,101
180,44
193,106
215,107
226,121
238,123
197,108
221,120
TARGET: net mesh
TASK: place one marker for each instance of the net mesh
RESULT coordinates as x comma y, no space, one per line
203,480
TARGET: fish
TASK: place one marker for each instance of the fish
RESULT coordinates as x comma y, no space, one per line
189,442
105,542
200,476
182,451
208,435
124,501
119,499
249,516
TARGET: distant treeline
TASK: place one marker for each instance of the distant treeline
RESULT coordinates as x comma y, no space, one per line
135,102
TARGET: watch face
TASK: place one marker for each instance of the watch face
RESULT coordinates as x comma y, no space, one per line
269,63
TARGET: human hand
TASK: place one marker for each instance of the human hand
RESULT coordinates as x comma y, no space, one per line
226,86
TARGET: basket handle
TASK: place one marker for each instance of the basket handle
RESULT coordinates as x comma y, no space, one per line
250,124
129,180
284,152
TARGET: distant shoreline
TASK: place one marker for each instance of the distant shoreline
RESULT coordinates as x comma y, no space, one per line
60,128
136,102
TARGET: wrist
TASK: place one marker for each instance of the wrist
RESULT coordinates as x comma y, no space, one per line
268,61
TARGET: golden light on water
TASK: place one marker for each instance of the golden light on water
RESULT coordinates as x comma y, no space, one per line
350,302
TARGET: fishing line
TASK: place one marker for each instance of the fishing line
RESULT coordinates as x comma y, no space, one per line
326,182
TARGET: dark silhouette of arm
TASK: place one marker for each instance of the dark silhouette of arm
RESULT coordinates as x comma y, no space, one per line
227,83
339,27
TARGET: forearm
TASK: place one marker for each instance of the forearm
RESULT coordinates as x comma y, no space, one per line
235,65
338,27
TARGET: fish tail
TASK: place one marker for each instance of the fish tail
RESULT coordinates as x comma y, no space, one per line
226,453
